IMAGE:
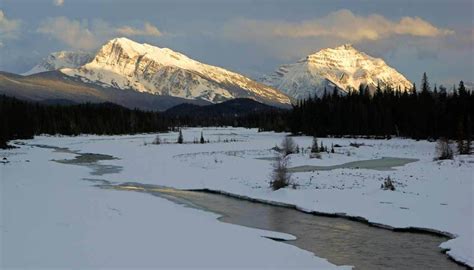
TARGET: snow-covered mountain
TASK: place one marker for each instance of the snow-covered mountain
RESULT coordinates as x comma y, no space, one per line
125,64
62,59
343,66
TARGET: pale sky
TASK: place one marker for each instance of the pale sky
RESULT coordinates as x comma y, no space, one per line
249,36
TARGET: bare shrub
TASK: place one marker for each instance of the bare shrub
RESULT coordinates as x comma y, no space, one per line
280,176
443,149
276,148
157,140
388,184
356,145
288,146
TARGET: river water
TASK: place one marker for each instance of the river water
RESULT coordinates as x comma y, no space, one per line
341,241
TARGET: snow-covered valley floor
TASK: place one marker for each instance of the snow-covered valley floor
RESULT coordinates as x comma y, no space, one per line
50,218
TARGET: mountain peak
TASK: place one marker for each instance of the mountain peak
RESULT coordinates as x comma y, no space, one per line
343,67
345,51
122,40
119,47
129,44
125,64
347,46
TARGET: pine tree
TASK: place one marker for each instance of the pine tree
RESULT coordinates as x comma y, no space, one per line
468,145
314,146
462,89
180,137
460,141
366,91
425,85
335,92
378,90
361,89
202,141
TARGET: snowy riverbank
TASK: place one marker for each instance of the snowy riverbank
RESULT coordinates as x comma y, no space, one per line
51,218
429,194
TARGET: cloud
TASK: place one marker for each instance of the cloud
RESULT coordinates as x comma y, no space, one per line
148,30
342,24
74,33
418,27
87,35
58,2
9,28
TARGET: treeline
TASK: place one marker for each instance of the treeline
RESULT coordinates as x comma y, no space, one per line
425,114
430,113
275,120
22,120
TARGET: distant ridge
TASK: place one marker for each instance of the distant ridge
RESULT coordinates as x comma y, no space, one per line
62,59
55,87
231,108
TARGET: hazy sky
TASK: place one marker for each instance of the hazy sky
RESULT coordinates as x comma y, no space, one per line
249,36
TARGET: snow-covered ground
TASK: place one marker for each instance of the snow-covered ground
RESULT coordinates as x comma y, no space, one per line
50,218
436,195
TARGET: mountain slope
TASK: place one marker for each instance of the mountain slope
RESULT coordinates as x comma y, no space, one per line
343,67
125,64
62,59
234,107
53,87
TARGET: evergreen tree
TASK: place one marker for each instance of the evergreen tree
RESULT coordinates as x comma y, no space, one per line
460,139
462,89
180,137
468,145
409,114
413,89
378,90
361,89
335,92
425,85
314,146
202,141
